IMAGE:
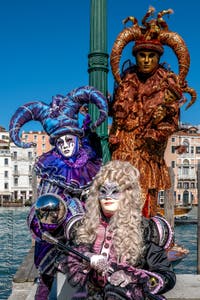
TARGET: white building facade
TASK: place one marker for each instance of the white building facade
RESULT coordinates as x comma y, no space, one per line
5,167
22,161
15,171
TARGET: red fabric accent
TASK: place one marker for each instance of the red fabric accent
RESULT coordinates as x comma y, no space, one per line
146,207
151,45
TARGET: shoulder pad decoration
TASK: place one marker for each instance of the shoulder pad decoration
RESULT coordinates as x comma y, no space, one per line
160,232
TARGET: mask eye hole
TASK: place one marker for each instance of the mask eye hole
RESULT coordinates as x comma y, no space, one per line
68,140
59,143
102,190
115,191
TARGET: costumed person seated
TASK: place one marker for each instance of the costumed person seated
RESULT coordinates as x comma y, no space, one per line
68,169
147,100
127,251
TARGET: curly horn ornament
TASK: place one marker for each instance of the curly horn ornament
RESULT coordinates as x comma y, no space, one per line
60,116
127,35
31,111
162,23
89,94
175,41
193,94
66,115
149,13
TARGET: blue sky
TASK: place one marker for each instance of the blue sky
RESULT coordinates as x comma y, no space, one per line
45,44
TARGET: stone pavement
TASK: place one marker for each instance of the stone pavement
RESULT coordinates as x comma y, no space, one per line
187,288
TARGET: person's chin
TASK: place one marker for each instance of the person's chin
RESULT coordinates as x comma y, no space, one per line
108,214
67,154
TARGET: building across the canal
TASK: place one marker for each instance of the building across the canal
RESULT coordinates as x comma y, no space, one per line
16,176
183,156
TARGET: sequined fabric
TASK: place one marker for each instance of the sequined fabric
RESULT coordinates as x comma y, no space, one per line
143,120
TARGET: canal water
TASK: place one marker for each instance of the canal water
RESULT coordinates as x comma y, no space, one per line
15,242
186,236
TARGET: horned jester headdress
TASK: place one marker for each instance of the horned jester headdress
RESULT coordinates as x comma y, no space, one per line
60,116
152,36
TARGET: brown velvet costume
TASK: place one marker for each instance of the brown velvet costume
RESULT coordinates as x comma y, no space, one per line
142,123
144,116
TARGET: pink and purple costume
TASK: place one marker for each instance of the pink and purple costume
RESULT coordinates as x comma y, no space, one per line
151,277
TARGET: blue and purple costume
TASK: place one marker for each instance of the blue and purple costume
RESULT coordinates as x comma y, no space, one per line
68,177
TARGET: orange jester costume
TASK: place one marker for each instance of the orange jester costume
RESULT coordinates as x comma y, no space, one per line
146,101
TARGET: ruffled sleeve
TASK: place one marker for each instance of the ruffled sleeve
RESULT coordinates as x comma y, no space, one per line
75,267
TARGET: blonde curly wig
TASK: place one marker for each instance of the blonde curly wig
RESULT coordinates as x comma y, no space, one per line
126,222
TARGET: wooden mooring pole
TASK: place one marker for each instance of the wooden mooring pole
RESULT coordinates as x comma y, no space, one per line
198,220
169,201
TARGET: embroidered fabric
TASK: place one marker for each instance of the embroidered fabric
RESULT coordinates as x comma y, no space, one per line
120,278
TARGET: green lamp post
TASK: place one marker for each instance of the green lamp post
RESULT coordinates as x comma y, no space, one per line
98,64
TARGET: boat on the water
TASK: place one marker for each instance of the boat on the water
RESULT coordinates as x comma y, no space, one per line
179,211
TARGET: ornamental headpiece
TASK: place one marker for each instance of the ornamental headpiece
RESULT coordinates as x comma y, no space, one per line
60,117
152,35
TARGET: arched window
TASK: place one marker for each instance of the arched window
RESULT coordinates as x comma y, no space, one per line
186,167
186,144
185,198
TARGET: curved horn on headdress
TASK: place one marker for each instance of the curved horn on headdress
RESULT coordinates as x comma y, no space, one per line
175,41
161,22
89,94
149,13
193,94
127,35
30,111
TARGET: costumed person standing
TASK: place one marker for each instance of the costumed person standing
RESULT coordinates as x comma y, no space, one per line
127,251
65,172
147,100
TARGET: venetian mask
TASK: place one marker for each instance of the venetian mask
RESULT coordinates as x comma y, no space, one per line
67,145
109,196
147,61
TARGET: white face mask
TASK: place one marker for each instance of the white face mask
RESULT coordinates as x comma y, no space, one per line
109,197
67,145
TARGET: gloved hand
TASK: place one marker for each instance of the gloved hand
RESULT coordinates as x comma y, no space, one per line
98,262
119,278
